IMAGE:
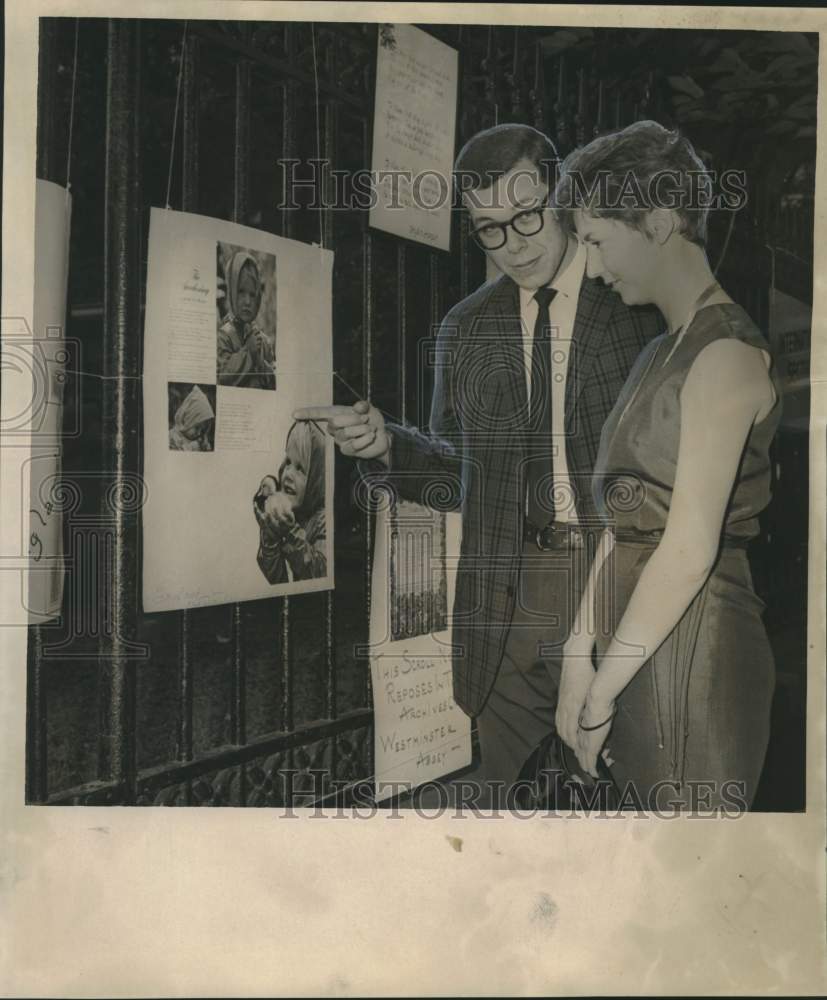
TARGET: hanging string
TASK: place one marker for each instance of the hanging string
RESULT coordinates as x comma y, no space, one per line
175,114
139,378
72,111
318,126
360,396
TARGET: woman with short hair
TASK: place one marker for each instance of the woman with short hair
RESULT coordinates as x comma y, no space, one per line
682,692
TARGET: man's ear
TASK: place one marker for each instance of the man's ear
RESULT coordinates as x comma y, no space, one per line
661,223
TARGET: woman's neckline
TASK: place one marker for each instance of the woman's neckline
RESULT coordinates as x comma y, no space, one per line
709,305
683,335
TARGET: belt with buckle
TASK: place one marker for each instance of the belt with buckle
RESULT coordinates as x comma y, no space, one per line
555,535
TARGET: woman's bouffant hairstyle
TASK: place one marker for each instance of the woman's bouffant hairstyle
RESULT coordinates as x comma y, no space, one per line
625,174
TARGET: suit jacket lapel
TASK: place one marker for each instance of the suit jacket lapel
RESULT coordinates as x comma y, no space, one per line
594,309
501,339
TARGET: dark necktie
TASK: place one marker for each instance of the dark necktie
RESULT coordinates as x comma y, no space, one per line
540,504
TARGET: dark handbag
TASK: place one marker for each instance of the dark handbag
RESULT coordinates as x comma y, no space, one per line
551,779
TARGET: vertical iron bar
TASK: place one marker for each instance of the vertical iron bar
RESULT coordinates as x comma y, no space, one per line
580,116
185,694
367,326
466,70
434,271
37,785
538,93
238,713
189,203
329,135
46,99
241,188
288,225
464,243
120,405
241,152
329,154
560,109
401,325
598,122
287,695
190,119
36,720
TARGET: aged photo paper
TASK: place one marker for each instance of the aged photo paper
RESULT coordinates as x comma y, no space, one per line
217,417
420,732
413,133
115,900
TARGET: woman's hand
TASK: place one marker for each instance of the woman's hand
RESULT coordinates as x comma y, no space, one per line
590,740
575,680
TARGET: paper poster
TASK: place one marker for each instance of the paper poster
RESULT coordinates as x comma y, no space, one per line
413,135
237,336
53,209
420,734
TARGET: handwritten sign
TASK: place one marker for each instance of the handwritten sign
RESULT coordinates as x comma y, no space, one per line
420,732
413,135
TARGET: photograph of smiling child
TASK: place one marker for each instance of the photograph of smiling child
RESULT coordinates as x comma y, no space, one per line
290,510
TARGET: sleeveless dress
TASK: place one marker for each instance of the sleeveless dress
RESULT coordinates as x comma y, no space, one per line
699,709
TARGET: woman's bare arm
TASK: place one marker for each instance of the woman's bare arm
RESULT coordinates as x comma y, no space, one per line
726,389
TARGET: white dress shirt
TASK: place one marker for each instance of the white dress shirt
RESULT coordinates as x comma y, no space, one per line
562,312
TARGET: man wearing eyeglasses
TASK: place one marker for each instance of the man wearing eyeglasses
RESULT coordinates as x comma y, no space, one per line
527,369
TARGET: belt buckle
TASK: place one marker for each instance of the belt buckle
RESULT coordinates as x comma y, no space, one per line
570,537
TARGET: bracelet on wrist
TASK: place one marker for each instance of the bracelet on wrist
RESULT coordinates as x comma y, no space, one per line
583,651
600,725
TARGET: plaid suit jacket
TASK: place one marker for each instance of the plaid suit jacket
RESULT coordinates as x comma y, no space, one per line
478,430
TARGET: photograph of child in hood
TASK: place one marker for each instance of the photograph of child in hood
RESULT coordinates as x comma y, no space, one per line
246,354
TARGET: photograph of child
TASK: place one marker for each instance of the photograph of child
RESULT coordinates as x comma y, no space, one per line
290,510
246,314
191,416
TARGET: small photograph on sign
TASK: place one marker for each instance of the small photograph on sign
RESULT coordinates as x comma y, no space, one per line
191,416
246,314
418,580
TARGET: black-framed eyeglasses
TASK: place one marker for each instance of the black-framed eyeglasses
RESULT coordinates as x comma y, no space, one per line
493,235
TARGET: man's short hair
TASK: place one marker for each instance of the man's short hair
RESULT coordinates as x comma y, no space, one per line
625,174
494,151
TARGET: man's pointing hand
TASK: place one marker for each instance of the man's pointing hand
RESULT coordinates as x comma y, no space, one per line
358,430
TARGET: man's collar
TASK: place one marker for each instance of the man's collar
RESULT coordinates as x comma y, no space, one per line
567,281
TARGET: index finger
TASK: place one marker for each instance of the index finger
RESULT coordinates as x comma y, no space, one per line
321,412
